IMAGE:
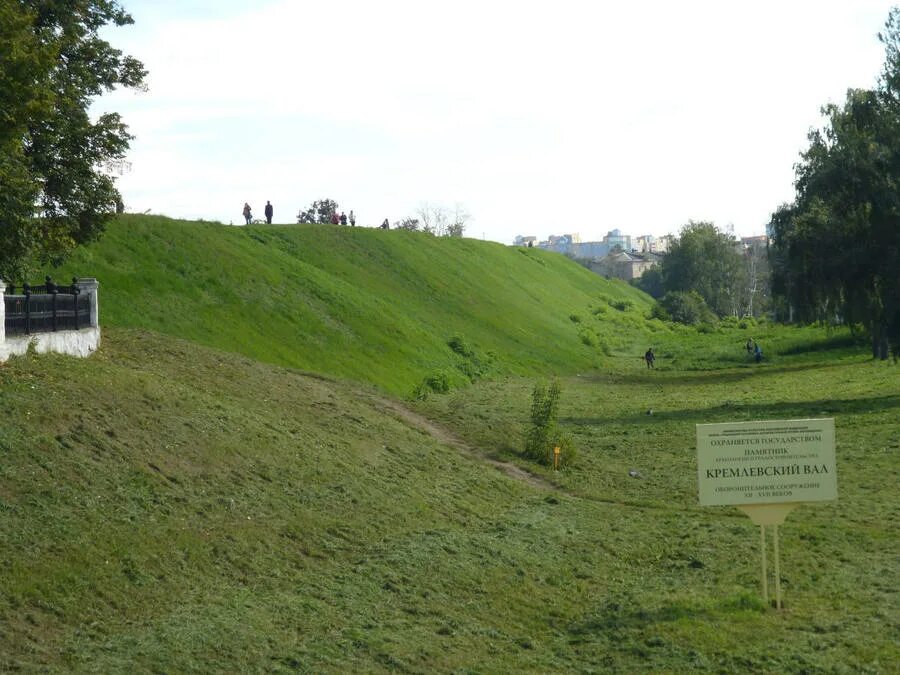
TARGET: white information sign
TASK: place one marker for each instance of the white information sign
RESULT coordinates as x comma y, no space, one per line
770,462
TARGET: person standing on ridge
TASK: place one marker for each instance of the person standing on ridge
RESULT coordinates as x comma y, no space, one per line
269,212
352,219
343,218
247,215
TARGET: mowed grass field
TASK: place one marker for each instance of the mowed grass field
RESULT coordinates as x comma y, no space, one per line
168,507
242,478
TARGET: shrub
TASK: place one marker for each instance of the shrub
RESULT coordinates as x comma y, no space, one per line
545,434
437,382
588,337
459,345
621,305
470,364
574,318
687,308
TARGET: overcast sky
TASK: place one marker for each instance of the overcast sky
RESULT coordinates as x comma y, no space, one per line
539,118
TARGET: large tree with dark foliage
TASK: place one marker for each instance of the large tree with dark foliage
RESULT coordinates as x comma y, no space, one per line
705,260
320,211
836,248
54,190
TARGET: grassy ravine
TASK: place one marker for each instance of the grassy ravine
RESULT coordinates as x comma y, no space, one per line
166,507
370,305
225,487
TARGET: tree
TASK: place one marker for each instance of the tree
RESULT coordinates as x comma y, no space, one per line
836,248
443,222
54,192
705,260
409,224
544,434
320,211
651,282
688,308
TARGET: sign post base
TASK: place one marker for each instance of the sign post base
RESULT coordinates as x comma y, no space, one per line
774,515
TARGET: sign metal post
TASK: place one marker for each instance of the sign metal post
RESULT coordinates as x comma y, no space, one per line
767,469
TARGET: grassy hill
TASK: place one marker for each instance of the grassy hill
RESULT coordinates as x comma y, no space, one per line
231,484
365,304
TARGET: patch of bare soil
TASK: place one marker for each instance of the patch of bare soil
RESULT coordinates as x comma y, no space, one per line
447,437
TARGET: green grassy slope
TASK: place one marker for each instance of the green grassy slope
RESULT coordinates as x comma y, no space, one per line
167,507
360,303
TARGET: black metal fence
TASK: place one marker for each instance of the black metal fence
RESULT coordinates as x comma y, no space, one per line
46,308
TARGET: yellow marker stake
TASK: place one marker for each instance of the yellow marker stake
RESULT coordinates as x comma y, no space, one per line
556,458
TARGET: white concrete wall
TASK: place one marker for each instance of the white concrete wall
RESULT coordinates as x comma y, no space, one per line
73,342
81,343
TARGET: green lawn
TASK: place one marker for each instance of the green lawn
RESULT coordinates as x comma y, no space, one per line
167,507
241,480
370,305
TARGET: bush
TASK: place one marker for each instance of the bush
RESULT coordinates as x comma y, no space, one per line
545,434
471,365
459,345
574,318
621,305
437,382
588,337
680,307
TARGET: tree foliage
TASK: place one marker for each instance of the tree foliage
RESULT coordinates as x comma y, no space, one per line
54,192
443,222
687,308
408,224
836,248
545,434
705,260
320,211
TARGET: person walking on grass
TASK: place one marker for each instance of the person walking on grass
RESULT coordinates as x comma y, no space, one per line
649,357
247,215
352,219
749,345
269,211
757,353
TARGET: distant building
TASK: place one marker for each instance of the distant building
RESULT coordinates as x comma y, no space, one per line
615,238
758,242
561,243
664,244
624,265
527,242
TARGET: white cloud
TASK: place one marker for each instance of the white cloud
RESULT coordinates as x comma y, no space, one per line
539,118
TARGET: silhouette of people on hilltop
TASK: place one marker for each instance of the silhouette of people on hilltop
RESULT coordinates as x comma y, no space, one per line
247,215
269,210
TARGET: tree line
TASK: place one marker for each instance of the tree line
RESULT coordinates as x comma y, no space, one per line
834,252
429,218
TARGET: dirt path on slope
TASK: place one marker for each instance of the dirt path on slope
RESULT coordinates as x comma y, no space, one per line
447,437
